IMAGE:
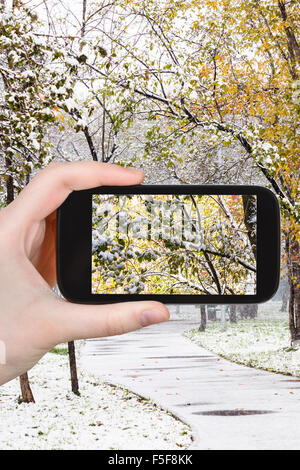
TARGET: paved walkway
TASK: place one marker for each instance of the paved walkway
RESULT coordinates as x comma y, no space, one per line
199,387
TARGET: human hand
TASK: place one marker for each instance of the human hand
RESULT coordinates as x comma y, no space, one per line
33,319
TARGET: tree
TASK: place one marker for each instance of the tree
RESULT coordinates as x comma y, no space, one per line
232,313
225,72
34,85
171,244
202,326
73,367
248,311
36,81
206,91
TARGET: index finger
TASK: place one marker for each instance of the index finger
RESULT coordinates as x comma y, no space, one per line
48,190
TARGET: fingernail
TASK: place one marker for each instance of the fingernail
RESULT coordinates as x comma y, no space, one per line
132,168
149,317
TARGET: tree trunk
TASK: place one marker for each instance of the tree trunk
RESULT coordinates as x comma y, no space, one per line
73,368
27,395
232,313
211,313
293,253
223,317
248,311
203,318
253,309
285,298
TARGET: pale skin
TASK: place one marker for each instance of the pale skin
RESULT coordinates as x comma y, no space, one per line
33,319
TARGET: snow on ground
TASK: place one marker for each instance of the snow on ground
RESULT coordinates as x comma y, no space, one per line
263,343
103,417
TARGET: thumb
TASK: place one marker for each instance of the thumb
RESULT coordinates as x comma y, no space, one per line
76,321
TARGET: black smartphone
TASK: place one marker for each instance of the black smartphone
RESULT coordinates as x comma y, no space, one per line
176,244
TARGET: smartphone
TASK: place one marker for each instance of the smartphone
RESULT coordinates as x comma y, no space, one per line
216,244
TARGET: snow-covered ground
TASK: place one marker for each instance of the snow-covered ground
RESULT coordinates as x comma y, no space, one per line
103,417
262,343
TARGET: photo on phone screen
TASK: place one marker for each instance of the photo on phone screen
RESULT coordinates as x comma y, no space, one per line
174,244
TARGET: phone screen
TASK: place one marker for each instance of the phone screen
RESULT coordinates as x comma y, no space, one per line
174,244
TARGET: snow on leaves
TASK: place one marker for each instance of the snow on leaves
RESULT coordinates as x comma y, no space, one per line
37,83
172,244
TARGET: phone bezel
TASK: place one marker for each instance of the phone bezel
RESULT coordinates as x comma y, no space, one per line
74,225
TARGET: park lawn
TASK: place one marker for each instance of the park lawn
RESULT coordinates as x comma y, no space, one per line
260,343
102,417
